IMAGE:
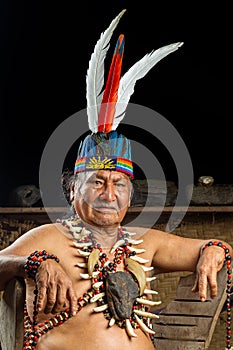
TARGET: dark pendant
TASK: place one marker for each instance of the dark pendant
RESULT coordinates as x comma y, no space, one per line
121,292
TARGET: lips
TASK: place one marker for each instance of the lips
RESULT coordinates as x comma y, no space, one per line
105,209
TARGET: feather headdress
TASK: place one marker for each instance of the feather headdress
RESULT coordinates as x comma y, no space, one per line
106,106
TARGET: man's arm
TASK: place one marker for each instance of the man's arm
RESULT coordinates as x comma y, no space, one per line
54,285
10,266
174,253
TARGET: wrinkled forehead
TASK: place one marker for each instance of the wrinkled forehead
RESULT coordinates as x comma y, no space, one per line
106,175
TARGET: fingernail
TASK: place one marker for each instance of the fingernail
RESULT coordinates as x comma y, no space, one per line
202,299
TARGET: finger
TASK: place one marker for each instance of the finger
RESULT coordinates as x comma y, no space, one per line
195,286
71,295
213,285
51,298
202,286
41,297
61,300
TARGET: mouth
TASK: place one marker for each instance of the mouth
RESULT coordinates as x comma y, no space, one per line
103,209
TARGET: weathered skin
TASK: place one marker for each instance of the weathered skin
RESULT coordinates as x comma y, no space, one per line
103,199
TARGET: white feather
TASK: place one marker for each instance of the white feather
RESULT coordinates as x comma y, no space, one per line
136,72
95,74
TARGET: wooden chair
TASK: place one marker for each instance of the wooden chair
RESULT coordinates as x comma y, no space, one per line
185,323
11,315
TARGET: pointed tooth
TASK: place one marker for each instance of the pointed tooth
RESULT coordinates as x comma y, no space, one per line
135,241
112,322
85,276
145,314
130,233
147,268
150,291
97,285
137,250
92,260
82,253
97,297
81,264
117,244
101,308
136,269
129,328
76,235
149,279
138,259
143,326
106,263
95,273
82,245
148,302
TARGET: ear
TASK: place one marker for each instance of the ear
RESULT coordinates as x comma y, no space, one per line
72,193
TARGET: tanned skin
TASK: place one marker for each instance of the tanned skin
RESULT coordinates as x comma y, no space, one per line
101,201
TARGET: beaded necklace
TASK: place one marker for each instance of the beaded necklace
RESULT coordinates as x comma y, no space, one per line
101,271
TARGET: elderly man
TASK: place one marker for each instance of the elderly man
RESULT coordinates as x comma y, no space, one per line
88,279
72,303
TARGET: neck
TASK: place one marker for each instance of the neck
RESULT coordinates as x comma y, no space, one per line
105,236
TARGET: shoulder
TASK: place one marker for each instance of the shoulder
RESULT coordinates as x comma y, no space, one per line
147,233
46,236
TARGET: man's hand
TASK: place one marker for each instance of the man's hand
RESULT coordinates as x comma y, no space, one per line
211,261
55,290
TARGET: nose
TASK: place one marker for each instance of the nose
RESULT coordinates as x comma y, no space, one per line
108,193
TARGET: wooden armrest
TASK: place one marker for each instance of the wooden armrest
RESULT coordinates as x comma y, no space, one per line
187,323
11,315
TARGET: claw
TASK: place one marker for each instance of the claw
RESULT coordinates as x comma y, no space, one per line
150,291
112,322
82,245
135,241
92,260
82,253
117,244
143,326
81,264
129,328
101,308
145,314
138,259
147,268
97,297
137,250
130,233
148,302
137,271
149,279
97,285
86,276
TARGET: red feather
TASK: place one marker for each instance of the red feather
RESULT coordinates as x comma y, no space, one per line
110,96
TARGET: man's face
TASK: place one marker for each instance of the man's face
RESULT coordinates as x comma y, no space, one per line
103,198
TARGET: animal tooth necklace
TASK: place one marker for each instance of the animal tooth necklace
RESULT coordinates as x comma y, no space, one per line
108,286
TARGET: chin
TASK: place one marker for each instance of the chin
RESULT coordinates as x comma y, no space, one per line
106,220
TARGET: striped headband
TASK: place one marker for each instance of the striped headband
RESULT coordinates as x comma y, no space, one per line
104,163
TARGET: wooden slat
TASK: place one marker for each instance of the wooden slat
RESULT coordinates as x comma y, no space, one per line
11,311
187,307
183,328
133,209
187,318
163,344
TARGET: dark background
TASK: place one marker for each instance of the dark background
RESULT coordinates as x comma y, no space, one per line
45,50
